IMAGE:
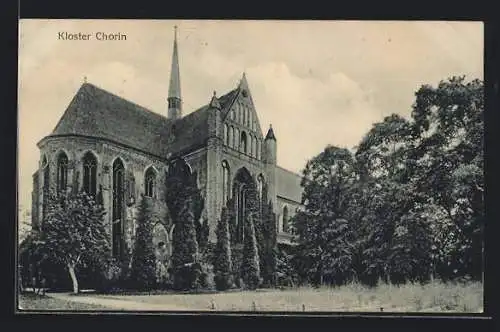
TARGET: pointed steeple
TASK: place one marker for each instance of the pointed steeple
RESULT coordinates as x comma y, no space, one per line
214,102
174,89
243,82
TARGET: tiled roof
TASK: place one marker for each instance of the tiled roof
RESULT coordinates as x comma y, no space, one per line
98,113
288,185
227,101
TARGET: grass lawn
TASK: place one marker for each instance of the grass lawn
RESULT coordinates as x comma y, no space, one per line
432,297
30,301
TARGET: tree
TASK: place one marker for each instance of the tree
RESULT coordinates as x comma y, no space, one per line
324,234
143,271
74,233
222,255
250,266
448,130
183,201
268,256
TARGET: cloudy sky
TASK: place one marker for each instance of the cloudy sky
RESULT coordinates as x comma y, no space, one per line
316,82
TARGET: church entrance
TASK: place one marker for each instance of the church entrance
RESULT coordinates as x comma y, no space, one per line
243,193
118,207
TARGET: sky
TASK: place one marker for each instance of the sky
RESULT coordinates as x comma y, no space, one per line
316,82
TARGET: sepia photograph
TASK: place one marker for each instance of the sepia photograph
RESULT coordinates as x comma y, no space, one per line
236,166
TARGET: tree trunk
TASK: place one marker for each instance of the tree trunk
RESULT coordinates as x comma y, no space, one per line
71,270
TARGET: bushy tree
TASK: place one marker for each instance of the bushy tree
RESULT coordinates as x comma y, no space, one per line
448,130
409,205
250,266
74,233
222,254
143,271
324,234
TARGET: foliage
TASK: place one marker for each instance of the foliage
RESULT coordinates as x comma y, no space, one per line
286,274
73,233
143,271
448,131
268,253
222,255
183,200
250,267
202,232
408,205
325,235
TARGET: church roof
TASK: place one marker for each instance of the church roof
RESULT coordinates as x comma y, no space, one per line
95,112
288,184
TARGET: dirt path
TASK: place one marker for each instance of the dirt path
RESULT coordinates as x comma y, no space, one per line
117,304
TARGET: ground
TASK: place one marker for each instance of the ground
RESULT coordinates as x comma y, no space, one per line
408,298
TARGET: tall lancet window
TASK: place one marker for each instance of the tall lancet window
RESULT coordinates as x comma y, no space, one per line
46,185
260,185
243,143
46,174
254,146
226,176
237,139
89,173
150,182
118,207
231,137
62,172
259,150
226,133
285,219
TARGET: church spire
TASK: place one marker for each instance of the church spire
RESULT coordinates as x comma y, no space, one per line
174,89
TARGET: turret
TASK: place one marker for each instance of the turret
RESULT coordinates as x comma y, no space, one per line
270,147
174,89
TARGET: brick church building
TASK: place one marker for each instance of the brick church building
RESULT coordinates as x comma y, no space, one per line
104,143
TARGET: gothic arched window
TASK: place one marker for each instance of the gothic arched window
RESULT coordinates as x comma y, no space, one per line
150,182
46,173
258,149
46,185
285,219
233,114
226,134
243,143
89,173
118,206
226,176
237,139
254,146
62,172
260,185
231,136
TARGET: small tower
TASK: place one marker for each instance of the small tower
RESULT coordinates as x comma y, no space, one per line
270,147
174,89
270,161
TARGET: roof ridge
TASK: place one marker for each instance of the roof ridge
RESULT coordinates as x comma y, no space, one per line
289,171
